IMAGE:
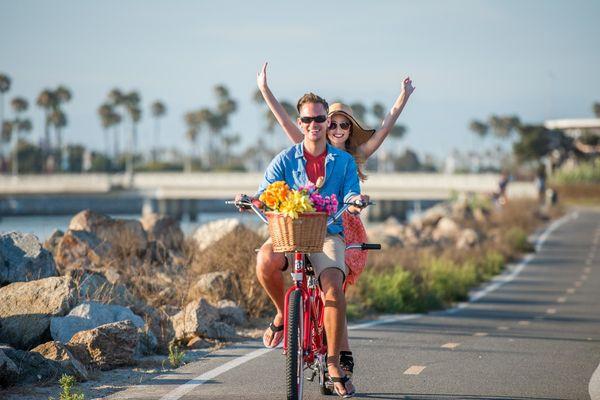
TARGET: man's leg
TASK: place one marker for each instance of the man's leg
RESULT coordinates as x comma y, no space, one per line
268,272
335,322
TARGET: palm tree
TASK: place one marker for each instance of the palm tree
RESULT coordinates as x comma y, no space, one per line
378,111
105,112
132,106
596,108
359,110
46,100
503,126
158,110
58,120
4,87
191,135
479,128
19,106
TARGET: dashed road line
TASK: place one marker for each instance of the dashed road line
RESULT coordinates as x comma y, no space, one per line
524,323
480,334
571,290
551,311
503,328
450,345
561,300
577,284
414,370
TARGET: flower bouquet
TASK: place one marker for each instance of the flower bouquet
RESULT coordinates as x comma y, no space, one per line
297,218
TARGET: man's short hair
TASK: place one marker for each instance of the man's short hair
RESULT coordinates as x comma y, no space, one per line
311,98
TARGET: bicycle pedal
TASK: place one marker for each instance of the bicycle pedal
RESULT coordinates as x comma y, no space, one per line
311,377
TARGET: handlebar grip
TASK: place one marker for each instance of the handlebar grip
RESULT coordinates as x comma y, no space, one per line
371,246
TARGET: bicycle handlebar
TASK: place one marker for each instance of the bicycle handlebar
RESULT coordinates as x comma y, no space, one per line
246,203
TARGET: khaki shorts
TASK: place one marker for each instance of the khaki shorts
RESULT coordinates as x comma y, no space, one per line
334,249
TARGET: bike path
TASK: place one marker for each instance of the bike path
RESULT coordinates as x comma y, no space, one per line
535,337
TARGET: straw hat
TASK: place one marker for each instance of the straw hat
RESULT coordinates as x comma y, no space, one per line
358,135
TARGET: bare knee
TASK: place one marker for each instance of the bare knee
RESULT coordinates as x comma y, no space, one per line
332,280
268,261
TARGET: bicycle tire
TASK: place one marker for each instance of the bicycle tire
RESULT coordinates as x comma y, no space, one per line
294,354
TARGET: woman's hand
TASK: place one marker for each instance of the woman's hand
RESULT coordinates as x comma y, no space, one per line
407,86
261,77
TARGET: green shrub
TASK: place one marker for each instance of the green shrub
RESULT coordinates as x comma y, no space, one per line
392,291
175,355
67,382
517,240
447,280
588,172
491,264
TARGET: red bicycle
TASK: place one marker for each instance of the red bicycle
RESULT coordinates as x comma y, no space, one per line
305,344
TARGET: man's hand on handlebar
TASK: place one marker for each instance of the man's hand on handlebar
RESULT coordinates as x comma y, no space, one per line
241,201
360,202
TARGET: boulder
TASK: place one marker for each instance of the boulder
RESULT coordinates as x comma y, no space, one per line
231,313
196,342
53,240
58,352
27,307
107,346
90,315
197,318
213,231
124,235
446,229
216,286
93,286
33,368
480,215
8,370
23,258
467,238
164,230
433,215
80,249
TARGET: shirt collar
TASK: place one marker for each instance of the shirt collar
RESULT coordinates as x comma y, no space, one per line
331,151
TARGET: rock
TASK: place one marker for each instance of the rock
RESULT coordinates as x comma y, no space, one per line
197,342
197,318
216,286
231,313
93,286
90,315
213,231
432,216
8,370
33,368
467,238
58,352
164,230
27,307
82,250
446,229
125,236
222,331
23,258
107,346
52,241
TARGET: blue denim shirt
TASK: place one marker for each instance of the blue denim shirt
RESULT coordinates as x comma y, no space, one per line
340,178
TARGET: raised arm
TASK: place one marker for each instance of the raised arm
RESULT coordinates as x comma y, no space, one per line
370,146
289,127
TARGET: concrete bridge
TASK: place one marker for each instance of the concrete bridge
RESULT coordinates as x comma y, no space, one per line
180,193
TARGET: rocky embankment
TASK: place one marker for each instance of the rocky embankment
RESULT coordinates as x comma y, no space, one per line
100,296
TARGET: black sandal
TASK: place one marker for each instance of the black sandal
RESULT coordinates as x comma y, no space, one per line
276,336
347,362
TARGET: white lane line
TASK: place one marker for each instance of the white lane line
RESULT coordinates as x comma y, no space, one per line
450,345
414,370
571,290
503,328
187,387
201,379
480,334
577,284
594,385
551,311
561,300
587,270
584,277
524,323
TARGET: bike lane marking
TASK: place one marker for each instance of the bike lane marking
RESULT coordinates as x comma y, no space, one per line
414,370
187,387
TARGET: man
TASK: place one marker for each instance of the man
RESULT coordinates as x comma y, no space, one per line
308,161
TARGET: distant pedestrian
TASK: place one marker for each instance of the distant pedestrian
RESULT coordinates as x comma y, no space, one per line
540,183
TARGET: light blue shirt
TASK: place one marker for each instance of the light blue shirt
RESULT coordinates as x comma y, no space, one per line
341,177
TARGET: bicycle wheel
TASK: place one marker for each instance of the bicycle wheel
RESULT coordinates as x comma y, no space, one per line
294,355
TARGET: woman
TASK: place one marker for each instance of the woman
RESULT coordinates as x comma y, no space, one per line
347,134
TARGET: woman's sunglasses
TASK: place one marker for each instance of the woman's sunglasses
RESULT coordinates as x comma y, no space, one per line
343,125
318,119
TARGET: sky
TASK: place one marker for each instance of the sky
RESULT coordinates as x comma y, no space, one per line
468,60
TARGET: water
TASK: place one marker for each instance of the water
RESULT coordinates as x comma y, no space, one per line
43,225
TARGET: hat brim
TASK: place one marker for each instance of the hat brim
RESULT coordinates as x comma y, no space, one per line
359,135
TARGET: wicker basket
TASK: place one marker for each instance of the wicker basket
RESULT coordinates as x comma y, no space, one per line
305,234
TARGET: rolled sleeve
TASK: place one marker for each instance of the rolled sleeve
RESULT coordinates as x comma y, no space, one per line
274,173
351,183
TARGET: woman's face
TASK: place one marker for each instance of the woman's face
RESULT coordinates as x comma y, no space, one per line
339,130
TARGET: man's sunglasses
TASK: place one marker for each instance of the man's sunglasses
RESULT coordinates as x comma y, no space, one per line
343,125
318,119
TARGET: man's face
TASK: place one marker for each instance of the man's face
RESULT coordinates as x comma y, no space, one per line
313,130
